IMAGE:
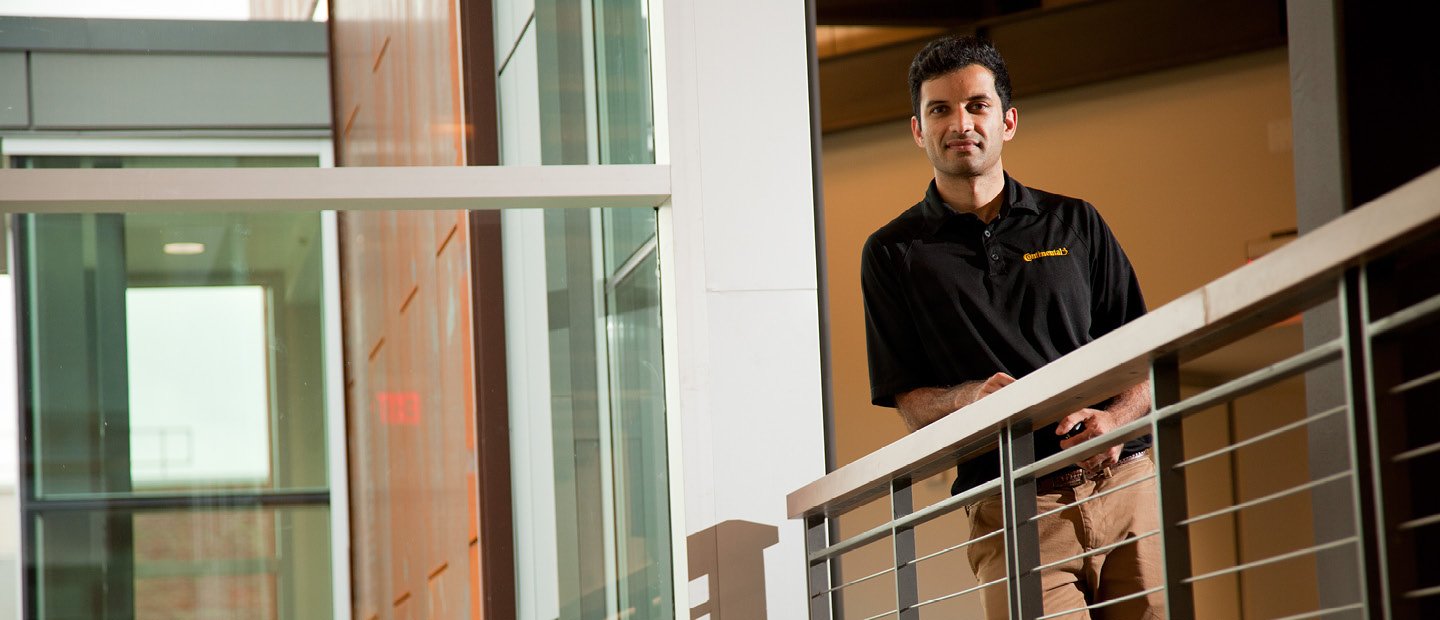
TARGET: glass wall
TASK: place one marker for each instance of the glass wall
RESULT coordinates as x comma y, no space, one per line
588,427
9,443
607,423
174,419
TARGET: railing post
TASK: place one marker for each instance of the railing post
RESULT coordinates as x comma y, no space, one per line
907,588
1369,506
1022,535
1169,437
816,529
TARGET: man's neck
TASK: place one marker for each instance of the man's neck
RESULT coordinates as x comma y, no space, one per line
981,195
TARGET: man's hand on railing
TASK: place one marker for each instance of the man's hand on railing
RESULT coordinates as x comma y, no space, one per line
1097,423
921,406
1126,407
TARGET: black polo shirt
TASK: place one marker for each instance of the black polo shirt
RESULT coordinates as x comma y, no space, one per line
949,299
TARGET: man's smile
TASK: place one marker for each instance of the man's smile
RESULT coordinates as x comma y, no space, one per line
962,144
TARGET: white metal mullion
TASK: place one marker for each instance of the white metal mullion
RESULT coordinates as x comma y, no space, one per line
335,428
611,482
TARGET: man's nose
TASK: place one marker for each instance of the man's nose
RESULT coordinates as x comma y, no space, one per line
964,121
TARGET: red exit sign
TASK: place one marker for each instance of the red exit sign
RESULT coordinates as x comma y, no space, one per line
399,408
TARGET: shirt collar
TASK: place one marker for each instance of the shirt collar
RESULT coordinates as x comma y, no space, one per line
936,212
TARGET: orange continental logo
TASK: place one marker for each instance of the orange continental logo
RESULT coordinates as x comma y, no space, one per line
1055,252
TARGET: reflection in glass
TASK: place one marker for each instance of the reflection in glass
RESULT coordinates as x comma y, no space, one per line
637,396
173,380
172,371
606,431
588,412
205,563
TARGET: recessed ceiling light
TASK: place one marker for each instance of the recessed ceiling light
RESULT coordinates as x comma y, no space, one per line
184,248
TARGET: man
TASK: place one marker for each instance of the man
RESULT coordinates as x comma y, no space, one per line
985,280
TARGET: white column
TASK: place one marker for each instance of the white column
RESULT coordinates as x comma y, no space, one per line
739,280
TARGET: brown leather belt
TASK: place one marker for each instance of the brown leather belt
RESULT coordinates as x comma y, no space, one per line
1076,477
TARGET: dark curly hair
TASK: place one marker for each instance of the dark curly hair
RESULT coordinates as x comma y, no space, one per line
952,53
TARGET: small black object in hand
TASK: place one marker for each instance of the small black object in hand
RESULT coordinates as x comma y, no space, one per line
1074,430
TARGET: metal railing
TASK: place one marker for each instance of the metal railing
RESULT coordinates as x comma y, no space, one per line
1368,269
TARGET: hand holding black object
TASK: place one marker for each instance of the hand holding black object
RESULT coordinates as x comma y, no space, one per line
1074,430
1084,425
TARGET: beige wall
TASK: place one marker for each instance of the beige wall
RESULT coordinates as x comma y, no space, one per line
1186,166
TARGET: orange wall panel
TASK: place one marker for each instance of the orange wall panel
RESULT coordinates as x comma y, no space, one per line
409,317
409,358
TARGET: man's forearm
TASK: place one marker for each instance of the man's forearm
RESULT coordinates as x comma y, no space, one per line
1130,404
922,406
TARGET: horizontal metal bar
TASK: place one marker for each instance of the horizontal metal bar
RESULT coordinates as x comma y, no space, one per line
1405,317
871,535
1267,498
1069,455
1422,593
954,547
1092,497
1421,522
1262,436
1095,551
1417,452
1273,559
940,599
168,501
1105,603
1230,390
947,505
851,583
1323,612
888,613
1414,383
389,188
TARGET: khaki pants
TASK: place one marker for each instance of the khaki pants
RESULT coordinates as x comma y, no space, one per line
1126,569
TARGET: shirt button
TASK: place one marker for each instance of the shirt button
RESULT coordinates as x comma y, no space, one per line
987,233
994,257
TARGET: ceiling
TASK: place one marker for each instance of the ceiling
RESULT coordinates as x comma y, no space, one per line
926,13
281,250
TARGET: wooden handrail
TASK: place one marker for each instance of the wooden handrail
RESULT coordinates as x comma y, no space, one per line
1277,285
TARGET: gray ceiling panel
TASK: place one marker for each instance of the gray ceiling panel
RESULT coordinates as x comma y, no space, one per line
14,93
113,91
162,35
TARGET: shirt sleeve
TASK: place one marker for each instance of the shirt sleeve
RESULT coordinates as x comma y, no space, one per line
891,342
1115,291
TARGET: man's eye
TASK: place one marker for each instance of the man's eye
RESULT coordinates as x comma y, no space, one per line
938,110
977,107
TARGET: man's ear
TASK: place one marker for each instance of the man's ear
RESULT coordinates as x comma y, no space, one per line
1012,121
915,132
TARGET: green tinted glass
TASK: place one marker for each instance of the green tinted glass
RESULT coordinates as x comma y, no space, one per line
174,352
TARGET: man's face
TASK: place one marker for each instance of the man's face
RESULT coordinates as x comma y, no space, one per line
961,124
